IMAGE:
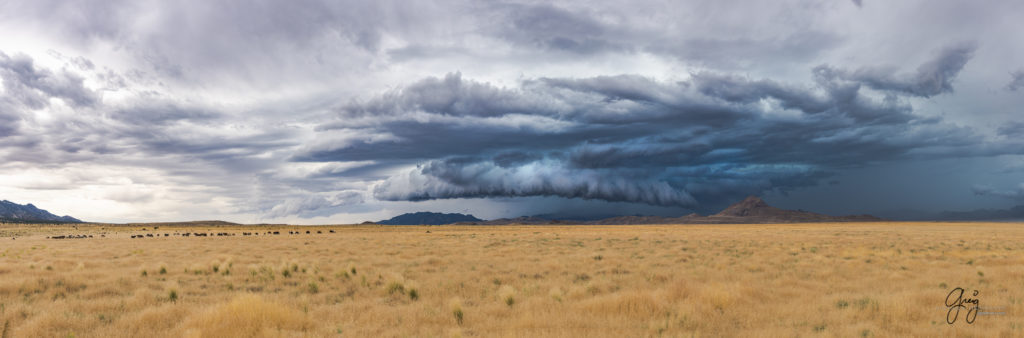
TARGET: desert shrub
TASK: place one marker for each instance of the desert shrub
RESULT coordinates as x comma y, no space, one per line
456,306
395,287
458,315
507,294
313,288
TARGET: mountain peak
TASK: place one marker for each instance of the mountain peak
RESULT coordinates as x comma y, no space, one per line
10,211
754,200
750,206
428,218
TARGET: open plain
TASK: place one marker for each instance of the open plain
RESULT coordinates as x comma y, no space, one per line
821,279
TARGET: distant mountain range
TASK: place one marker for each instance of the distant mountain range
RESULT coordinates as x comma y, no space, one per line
750,210
1012,214
13,212
428,218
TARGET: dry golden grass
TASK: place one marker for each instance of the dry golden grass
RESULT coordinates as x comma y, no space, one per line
849,280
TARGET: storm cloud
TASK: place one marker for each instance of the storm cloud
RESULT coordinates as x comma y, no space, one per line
343,111
451,179
1016,81
628,138
1012,193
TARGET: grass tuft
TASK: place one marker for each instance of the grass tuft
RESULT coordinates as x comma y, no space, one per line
507,294
313,288
395,287
456,307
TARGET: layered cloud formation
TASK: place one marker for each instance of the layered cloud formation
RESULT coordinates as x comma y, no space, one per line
707,140
345,111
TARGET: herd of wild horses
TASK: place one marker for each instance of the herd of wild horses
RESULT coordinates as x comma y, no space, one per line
194,234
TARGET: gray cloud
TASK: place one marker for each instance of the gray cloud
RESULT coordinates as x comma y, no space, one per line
558,29
1016,81
932,78
455,179
743,52
315,205
692,144
744,91
1016,193
32,86
289,110
186,142
1011,129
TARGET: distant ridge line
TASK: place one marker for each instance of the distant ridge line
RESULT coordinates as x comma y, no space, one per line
751,210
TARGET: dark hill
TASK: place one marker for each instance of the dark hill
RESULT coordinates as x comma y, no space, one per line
750,210
13,212
754,210
428,218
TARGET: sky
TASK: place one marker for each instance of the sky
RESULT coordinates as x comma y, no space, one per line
314,112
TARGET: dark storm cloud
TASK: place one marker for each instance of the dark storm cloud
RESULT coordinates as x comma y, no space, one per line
1016,193
1012,129
1016,81
932,78
633,139
447,179
744,91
